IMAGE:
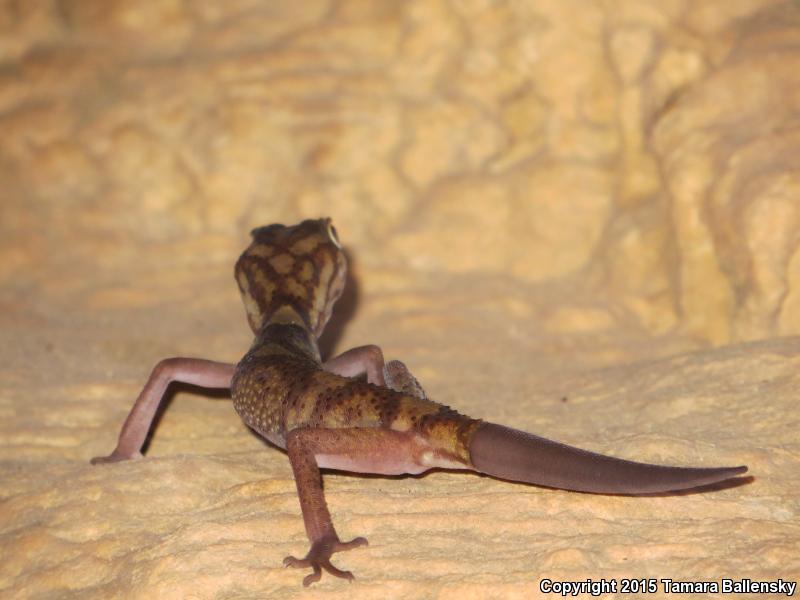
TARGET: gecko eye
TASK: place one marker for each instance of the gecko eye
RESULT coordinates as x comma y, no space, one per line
333,236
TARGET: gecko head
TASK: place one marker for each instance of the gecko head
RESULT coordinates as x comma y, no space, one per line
292,274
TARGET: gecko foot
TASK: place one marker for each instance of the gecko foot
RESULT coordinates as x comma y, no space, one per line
114,457
319,557
400,379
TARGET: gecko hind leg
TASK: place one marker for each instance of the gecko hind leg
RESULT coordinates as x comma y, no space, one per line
369,360
363,450
195,371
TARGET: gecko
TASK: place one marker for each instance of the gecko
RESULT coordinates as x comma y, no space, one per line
356,412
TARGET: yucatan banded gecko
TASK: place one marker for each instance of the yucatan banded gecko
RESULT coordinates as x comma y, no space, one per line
325,415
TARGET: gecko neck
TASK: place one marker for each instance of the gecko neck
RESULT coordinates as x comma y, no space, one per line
281,338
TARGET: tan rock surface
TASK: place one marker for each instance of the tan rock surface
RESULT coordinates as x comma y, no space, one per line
569,217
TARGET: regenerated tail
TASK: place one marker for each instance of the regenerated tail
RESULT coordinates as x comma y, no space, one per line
511,454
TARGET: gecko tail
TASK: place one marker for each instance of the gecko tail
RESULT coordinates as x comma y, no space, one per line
511,454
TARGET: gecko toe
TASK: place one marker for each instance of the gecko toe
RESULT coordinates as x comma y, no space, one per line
297,563
326,564
114,457
314,577
354,543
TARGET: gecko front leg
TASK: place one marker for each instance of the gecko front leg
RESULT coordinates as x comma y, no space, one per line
195,371
369,360
359,361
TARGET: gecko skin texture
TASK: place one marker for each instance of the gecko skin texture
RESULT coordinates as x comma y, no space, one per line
328,415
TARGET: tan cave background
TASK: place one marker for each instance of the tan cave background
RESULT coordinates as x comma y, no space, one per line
580,218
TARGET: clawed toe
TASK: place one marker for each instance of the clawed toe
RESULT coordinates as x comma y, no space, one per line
291,561
313,578
354,543
326,564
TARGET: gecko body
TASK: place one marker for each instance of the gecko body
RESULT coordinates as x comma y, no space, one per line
325,416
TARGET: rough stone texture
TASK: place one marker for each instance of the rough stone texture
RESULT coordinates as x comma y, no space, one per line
572,217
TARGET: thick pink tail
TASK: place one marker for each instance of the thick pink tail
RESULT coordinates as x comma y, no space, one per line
510,454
